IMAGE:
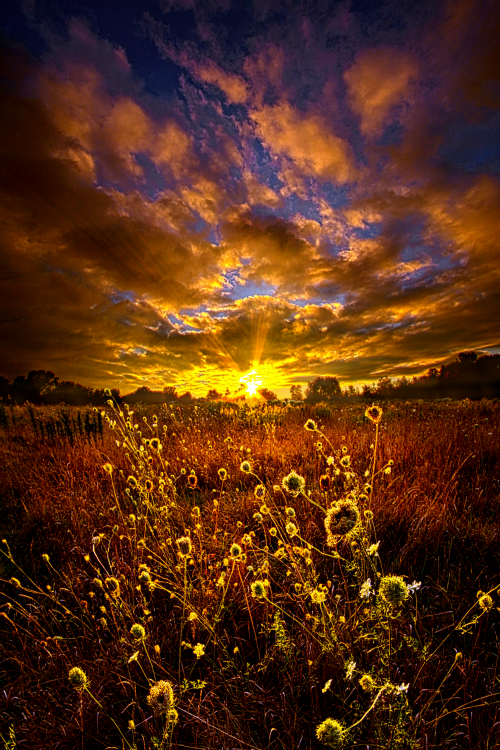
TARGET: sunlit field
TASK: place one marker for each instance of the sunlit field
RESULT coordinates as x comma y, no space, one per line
251,577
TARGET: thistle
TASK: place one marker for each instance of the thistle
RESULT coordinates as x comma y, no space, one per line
78,678
331,733
293,483
137,632
184,545
393,590
340,520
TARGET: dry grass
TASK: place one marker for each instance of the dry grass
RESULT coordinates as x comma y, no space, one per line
260,680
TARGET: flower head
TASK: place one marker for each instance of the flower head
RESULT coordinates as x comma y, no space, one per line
311,425
246,467
161,697
199,650
293,483
393,590
184,545
222,474
340,520
374,414
78,678
137,632
367,683
331,733
291,529
235,551
258,589
324,482
260,492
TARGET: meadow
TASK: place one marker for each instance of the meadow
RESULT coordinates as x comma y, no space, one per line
251,576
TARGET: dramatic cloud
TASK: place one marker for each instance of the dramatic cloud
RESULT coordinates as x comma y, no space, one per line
205,189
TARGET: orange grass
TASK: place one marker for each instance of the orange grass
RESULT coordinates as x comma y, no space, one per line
436,515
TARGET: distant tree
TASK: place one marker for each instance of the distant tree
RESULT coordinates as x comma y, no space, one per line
368,392
170,393
267,394
186,398
323,389
71,393
385,388
33,388
213,395
296,393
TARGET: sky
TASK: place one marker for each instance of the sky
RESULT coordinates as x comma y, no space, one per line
194,190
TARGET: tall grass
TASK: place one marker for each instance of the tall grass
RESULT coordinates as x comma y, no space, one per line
256,577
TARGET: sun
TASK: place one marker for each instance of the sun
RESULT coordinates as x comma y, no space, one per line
253,381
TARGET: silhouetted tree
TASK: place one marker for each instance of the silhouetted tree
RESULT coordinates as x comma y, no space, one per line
267,394
296,392
213,395
170,393
323,389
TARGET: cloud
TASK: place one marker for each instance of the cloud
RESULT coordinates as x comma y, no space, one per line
377,82
306,140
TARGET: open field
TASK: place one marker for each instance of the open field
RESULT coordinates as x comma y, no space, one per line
176,558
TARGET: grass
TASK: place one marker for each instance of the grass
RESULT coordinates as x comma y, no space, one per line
171,582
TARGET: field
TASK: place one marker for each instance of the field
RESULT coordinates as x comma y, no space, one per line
251,577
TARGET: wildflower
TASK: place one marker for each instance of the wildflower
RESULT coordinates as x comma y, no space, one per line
485,602
317,596
46,558
161,697
192,617
137,632
368,514
367,683
350,667
324,482
273,531
235,551
222,474
366,589
393,590
311,425
185,546
260,491
291,529
402,688
246,467
340,520
374,414
199,650
373,550
155,443
258,589
327,686
331,733
192,479
293,483
144,577
246,539
414,586
108,468
95,541
258,517
113,586
345,461
78,678
330,460
387,470
290,512
134,657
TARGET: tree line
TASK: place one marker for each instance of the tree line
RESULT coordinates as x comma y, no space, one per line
468,376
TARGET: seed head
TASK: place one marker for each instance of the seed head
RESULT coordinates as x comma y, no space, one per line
161,697
340,520
235,551
260,492
393,590
291,529
46,558
108,468
374,414
258,589
78,678
246,467
137,632
222,475
311,425
185,546
192,479
331,733
318,596
485,602
367,683
293,483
